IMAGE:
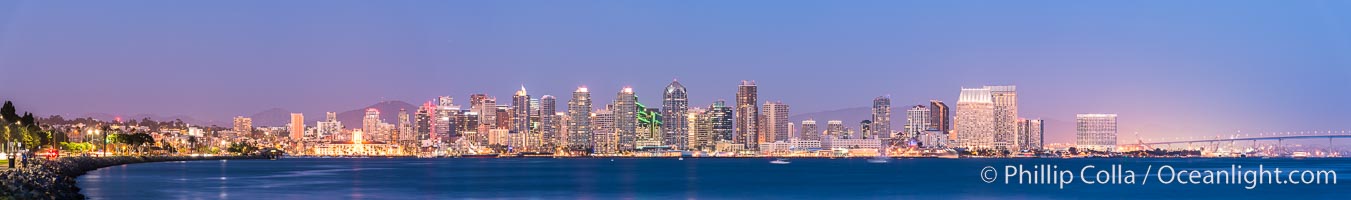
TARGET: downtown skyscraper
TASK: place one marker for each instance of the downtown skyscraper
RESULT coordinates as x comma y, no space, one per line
775,121
747,116
579,125
1005,116
1031,134
809,131
881,120
940,118
548,127
1095,132
626,119
916,121
674,111
722,119
975,120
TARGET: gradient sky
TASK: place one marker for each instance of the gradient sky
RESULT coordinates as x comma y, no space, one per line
1169,68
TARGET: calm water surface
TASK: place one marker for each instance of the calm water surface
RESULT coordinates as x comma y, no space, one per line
707,178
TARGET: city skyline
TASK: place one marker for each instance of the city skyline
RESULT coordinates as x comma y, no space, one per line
1201,77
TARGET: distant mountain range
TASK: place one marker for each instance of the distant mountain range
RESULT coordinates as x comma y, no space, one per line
139,117
389,112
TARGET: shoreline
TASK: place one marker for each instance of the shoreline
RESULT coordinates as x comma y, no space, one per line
55,179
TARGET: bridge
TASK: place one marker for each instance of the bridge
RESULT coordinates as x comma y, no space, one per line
1278,137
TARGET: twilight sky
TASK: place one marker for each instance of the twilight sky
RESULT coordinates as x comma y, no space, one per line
1184,68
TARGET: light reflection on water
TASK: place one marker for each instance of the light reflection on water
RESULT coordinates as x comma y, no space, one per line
544,178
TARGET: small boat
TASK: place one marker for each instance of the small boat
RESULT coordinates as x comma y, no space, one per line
780,161
879,160
681,158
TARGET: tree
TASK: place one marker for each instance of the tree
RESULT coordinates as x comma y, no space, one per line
241,148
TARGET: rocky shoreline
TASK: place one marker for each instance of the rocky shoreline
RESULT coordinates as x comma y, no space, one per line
55,179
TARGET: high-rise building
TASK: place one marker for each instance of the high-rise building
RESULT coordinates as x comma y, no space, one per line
446,111
467,125
486,107
371,122
1031,134
809,131
747,116
917,121
423,122
1005,115
548,128
604,138
674,110
865,129
243,125
625,119
975,121
940,117
834,130
1095,132
579,127
649,127
520,106
329,127
297,126
700,130
776,121
405,130
881,121
721,117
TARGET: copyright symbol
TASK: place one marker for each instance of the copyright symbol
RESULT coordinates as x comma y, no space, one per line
988,174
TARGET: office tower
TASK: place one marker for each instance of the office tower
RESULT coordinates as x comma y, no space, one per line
330,126
747,116
486,107
603,136
548,128
625,119
791,131
940,117
370,123
1095,132
809,131
881,121
834,130
674,111
649,127
865,130
1031,134
446,110
975,121
243,125
1005,115
917,121
579,128
520,106
504,117
776,121
699,130
467,124
424,122
297,126
722,118
405,130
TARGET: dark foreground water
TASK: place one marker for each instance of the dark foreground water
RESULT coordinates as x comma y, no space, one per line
543,178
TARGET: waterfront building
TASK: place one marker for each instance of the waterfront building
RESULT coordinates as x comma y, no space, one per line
975,119
371,121
579,127
1005,100
674,111
1095,132
520,107
699,130
747,115
548,121
809,130
1030,134
881,120
940,118
834,129
423,122
625,119
722,118
444,127
297,126
603,136
790,145
839,143
917,121
776,121
243,125
865,130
